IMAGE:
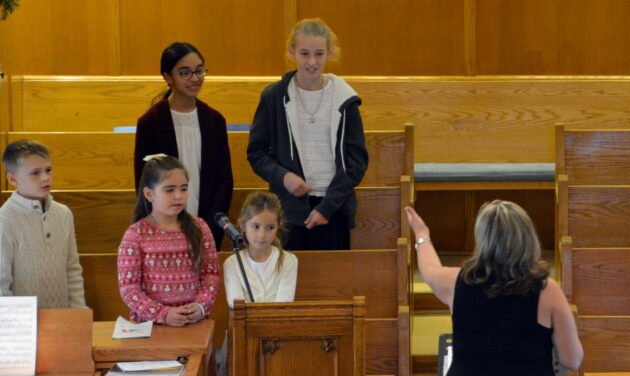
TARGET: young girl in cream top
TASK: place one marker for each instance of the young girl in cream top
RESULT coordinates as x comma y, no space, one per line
271,271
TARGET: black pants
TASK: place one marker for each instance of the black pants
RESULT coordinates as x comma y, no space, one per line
333,235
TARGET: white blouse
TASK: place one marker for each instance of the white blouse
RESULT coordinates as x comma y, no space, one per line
267,283
188,137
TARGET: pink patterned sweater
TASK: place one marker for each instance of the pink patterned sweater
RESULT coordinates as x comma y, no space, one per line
156,273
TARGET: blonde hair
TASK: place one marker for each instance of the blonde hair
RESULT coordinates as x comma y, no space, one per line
318,28
507,252
254,204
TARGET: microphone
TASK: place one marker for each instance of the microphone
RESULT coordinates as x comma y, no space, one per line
228,228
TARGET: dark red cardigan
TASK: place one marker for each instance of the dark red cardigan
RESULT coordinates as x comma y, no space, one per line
156,134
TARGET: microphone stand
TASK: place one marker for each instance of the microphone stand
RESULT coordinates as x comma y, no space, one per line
235,249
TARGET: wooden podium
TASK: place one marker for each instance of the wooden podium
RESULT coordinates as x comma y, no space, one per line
300,338
64,342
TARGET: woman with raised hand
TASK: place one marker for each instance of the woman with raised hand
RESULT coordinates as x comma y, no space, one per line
507,312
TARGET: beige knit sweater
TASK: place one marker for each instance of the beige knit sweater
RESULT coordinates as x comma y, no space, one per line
38,253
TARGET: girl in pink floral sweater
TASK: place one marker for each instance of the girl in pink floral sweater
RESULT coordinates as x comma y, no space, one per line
167,262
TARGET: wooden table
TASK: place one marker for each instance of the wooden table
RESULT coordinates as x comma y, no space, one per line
607,374
166,343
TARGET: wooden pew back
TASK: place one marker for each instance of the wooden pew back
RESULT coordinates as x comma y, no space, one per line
463,119
606,343
599,216
93,175
590,157
104,160
592,216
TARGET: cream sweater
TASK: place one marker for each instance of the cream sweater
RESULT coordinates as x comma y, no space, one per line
267,283
38,253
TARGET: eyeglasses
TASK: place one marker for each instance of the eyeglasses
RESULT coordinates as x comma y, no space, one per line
187,74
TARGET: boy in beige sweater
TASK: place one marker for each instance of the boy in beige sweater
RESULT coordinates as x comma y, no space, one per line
38,250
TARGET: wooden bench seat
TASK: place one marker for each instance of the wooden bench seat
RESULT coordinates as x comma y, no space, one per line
484,176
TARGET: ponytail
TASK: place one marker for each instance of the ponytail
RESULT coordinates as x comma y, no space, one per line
161,96
193,236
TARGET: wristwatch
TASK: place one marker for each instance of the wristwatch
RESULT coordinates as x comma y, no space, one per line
422,240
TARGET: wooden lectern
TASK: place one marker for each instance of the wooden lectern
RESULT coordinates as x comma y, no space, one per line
300,338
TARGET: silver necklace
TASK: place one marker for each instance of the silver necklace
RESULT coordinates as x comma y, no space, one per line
311,115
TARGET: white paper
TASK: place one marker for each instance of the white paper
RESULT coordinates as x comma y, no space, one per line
148,368
148,365
448,359
18,335
128,329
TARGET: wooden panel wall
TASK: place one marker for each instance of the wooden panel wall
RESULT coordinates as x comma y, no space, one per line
552,37
235,36
63,37
378,37
393,38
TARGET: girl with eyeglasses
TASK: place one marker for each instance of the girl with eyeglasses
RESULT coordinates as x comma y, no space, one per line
181,125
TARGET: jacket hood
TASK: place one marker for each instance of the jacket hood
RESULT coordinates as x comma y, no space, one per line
344,93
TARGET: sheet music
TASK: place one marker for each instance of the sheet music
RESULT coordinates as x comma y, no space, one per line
18,335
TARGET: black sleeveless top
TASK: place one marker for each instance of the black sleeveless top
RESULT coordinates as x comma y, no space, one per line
499,336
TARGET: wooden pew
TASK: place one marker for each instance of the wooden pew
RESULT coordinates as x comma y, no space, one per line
593,191
379,275
463,119
102,215
483,119
94,176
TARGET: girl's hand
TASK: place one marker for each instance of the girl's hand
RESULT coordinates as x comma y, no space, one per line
194,312
315,219
177,316
295,184
420,229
